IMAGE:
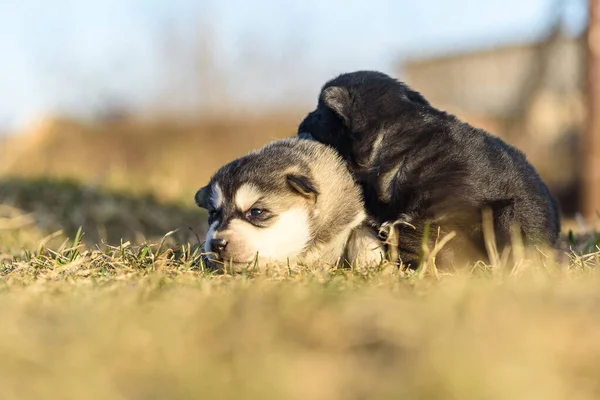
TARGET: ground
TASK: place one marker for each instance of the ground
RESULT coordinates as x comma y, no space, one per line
103,296
145,320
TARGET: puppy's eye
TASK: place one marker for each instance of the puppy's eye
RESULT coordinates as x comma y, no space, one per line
255,212
212,213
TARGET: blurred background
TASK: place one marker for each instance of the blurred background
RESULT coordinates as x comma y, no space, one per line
115,101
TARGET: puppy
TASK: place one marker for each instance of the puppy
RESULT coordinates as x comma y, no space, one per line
423,169
293,202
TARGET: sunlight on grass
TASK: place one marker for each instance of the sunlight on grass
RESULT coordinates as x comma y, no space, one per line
149,321
113,314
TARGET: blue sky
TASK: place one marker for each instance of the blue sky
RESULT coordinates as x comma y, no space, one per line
73,55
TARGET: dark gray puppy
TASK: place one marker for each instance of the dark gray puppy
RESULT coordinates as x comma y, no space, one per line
420,166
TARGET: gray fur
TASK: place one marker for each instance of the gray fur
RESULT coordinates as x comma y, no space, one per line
290,174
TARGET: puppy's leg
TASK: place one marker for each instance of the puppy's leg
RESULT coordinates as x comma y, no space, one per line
364,248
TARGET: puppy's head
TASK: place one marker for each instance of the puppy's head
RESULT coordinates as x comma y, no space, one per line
260,210
354,108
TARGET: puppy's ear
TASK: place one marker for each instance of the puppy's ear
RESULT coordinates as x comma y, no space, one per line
303,185
305,135
201,197
338,99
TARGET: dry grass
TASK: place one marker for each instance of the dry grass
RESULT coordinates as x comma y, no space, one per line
52,205
143,322
170,159
138,317
147,321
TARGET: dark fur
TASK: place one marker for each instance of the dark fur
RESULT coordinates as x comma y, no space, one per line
447,170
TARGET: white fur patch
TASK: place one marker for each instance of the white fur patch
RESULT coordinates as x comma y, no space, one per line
360,217
246,196
216,196
364,248
286,238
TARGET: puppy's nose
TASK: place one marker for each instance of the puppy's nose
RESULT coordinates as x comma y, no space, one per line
217,245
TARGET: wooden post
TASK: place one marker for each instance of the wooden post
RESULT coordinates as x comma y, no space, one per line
591,142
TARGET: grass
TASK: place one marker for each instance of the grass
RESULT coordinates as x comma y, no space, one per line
170,159
50,205
103,295
140,322
147,321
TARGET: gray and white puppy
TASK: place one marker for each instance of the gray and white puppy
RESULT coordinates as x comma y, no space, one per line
292,201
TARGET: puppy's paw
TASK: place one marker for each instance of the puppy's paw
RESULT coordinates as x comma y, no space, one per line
388,232
364,248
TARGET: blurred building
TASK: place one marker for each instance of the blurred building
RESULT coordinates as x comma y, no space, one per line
530,94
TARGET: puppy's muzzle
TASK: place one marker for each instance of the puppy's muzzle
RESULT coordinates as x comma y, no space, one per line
218,245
